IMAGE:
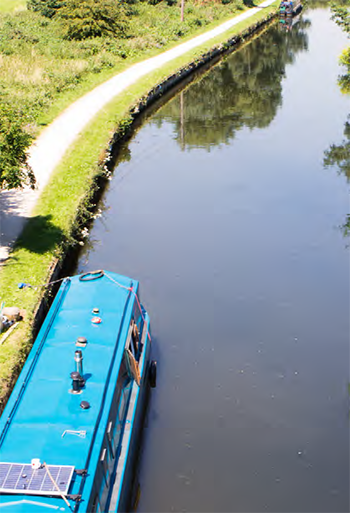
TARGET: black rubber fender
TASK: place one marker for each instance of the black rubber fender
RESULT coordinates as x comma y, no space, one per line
152,374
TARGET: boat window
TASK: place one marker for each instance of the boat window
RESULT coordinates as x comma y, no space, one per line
131,342
112,440
135,335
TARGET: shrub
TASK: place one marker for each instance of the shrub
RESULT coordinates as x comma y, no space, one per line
14,141
93,18
47,8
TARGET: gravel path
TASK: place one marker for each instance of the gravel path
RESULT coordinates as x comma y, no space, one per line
47,151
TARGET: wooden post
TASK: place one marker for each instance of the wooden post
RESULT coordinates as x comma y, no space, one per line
182,10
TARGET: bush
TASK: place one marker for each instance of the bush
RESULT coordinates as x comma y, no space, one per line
47,8
93,18
14,142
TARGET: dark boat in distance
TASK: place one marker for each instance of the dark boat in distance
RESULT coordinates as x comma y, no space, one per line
70,432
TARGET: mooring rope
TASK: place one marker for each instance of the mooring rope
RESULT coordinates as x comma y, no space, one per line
56,485
130,289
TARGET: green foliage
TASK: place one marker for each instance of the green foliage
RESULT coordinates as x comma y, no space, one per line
341,14
14,141
93,18
47,8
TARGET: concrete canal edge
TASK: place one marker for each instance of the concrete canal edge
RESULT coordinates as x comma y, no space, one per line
62,266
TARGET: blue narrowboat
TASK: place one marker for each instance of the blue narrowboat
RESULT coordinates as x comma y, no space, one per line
70,432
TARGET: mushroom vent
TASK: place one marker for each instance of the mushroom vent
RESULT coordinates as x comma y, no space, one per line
81,342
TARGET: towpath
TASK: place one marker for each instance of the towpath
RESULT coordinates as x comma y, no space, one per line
47,151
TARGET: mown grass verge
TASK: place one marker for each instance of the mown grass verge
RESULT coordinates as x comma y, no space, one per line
66,204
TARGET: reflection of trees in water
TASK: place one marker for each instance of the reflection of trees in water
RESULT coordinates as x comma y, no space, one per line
243,91
313,4
339,156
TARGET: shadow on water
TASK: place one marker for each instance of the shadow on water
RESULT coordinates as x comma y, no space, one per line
242,92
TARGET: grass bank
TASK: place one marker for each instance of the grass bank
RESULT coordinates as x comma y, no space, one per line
65,205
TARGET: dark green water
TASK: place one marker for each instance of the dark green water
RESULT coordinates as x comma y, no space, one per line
224,211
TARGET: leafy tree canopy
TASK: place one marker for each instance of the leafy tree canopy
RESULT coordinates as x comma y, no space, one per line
14,141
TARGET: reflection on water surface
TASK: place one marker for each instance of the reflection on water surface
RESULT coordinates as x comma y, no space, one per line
244,91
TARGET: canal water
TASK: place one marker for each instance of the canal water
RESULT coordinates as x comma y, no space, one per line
222,207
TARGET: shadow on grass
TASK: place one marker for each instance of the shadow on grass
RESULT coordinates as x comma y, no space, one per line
39,235
249,3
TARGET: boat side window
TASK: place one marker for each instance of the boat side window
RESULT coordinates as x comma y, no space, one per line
119,407
133,342
114,430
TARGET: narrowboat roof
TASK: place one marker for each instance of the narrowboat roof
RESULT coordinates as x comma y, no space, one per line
43,419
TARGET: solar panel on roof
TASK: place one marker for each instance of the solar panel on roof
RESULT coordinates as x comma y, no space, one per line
21,478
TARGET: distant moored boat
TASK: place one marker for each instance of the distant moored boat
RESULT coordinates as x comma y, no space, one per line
290,7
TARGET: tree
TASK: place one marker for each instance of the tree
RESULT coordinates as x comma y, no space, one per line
341,15
14,142
93,18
